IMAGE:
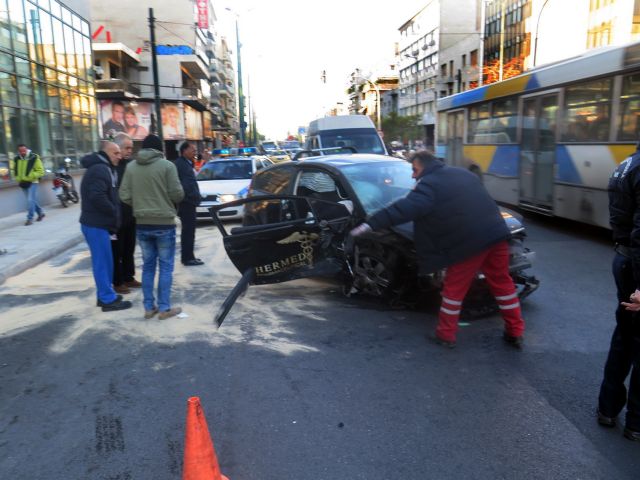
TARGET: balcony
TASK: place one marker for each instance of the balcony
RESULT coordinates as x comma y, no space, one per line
115,87
194,65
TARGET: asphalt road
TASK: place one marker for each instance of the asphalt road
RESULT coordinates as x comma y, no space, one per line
301,383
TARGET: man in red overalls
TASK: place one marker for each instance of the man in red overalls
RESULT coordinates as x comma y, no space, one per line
457,225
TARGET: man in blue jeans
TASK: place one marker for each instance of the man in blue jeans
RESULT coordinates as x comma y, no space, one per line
100,218
27,171
152,187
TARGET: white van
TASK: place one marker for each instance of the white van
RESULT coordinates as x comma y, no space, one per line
357,131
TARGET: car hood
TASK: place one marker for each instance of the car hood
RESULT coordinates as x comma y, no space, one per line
210,187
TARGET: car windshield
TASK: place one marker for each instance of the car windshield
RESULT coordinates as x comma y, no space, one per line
291,145
269,146
364,140
226,170
277,152
379,184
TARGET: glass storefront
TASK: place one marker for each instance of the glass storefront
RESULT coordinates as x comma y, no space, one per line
47,93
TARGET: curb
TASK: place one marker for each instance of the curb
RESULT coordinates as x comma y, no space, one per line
39,258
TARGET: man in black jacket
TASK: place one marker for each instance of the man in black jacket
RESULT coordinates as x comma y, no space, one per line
624,353
459,226
124,245
100,218
187,208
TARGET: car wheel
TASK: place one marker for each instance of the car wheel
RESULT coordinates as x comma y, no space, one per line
373,274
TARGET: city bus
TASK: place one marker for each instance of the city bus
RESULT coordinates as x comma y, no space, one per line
549,139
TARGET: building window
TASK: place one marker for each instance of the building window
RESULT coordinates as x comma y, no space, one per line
474,58
464,61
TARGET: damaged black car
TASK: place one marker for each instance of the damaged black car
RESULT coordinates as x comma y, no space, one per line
297,221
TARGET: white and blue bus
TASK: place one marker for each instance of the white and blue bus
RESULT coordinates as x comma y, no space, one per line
548,140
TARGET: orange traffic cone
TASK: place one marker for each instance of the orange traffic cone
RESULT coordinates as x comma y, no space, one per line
200,461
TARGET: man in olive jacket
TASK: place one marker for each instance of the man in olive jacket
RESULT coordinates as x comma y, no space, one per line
152,187
27,171
456,225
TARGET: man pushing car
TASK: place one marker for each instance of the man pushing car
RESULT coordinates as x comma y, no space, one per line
456,225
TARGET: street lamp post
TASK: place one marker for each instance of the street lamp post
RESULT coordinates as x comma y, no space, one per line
535,43
241,105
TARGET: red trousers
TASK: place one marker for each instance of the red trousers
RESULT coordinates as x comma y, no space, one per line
494,264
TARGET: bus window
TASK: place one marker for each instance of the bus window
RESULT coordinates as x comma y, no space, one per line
504,120
587,111
442,129
629,129
476,115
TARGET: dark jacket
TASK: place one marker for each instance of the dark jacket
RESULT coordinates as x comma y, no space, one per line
454,218
624,209
188,181
126,212
100,205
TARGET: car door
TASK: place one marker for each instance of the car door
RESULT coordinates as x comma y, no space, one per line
283,238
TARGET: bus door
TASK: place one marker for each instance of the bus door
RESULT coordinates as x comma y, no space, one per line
538,152
455,136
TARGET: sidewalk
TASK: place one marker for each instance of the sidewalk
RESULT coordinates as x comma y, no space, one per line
29,246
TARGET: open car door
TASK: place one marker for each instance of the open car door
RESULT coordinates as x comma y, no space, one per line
283,238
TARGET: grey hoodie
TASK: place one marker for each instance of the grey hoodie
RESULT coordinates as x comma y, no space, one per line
152,187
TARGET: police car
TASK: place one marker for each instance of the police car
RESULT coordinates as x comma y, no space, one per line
226,178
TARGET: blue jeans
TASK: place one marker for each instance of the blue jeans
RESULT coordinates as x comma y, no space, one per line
158,247
32,201
99,242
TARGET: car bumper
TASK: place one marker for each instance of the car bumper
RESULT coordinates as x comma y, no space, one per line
234,213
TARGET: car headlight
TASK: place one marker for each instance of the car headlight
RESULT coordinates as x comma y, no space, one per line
228,198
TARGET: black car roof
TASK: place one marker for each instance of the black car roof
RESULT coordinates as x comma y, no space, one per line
338,161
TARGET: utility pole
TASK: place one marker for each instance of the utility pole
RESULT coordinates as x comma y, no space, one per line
243,124
502,26
156,84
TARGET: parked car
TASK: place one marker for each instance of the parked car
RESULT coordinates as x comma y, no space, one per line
296,222
226,179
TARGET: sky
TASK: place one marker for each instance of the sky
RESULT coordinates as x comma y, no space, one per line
287,44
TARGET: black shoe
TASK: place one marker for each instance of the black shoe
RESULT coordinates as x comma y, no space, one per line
40,217
631,434
606,421
116,305
102,304
515,342
193,262
438,341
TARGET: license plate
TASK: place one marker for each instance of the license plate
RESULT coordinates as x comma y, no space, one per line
57,190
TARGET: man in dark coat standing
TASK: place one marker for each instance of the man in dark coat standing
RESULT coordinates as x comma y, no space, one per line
100,218
624,352
124,245
456,225
187,208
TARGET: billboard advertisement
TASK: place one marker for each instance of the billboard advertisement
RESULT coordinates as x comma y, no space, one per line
193,121
203,14
172,121
132,118
206,122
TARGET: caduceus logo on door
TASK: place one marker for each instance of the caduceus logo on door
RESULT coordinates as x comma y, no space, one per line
301,259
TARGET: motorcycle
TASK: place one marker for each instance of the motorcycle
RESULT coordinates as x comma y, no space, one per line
64,186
